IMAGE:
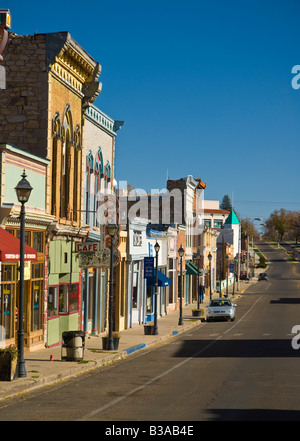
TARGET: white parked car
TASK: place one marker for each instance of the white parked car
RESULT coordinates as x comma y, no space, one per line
221,309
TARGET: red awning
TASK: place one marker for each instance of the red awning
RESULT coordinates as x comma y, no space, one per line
10,248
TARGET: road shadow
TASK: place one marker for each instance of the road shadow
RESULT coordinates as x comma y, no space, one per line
253,415
286,301
276,260
237,349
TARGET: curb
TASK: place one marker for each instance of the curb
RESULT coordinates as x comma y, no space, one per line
90,365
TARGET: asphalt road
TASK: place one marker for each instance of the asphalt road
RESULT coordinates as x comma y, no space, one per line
241,371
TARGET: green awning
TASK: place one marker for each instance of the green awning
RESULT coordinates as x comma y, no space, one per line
192,270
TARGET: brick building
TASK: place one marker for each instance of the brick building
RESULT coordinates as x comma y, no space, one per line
50,82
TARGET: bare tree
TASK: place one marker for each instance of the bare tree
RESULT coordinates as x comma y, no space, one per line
294,224
278,224
248,229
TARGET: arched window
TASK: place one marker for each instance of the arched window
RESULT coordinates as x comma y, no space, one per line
107,172
77,164
89,172
98,177
67,143
56,135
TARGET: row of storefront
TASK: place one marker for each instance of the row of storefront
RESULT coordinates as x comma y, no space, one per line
134,292
62,295
58,302
67,146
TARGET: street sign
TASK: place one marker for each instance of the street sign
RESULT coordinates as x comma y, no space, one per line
99,259
148,267
87,247
231,269
97,254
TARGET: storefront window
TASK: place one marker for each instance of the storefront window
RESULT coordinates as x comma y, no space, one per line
172,277
36,305
7,309
27,237
73,297
149,299
135,285
38,241
63,298
53,301
37,297
35,239
8,273
7,299
37,271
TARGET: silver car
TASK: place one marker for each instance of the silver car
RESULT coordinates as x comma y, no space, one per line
221,309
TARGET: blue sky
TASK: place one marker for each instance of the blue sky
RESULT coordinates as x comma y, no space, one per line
204,88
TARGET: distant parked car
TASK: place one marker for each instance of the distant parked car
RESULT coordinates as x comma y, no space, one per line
221,309
262,276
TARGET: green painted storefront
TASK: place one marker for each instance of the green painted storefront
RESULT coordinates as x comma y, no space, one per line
64,290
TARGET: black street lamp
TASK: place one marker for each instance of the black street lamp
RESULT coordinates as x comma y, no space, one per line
181,254
23,190
198,256
227,266
155,328
209,259
112,229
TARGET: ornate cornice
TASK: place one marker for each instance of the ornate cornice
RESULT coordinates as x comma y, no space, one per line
70,64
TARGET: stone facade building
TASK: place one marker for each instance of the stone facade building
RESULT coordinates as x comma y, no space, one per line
50,82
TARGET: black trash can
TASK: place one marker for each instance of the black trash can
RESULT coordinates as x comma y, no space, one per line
73,346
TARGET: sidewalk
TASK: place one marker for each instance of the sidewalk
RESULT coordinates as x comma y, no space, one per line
41,371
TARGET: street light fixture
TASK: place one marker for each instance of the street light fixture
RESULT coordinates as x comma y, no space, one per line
23,190
155,328
112,229
181,254
198,256
227,265
210,259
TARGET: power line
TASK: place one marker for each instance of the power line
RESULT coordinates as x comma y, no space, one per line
267,202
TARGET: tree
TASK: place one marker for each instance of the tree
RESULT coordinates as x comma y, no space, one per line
278,224
226,203
248,229
294,224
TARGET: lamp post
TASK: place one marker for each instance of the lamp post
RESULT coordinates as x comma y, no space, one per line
181,254
209,259
227,264
155,328
198,261
112,229
23,190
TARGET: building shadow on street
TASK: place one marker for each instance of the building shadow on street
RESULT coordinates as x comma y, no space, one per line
286,301
270,348
253,415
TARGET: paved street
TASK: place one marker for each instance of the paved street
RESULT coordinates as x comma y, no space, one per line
245,370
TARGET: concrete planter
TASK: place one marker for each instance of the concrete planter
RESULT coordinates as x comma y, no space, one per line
198,313
116,341
149,330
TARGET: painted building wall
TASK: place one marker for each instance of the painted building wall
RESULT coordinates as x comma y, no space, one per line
98,163
13,162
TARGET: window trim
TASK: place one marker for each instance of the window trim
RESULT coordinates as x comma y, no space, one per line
56,315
